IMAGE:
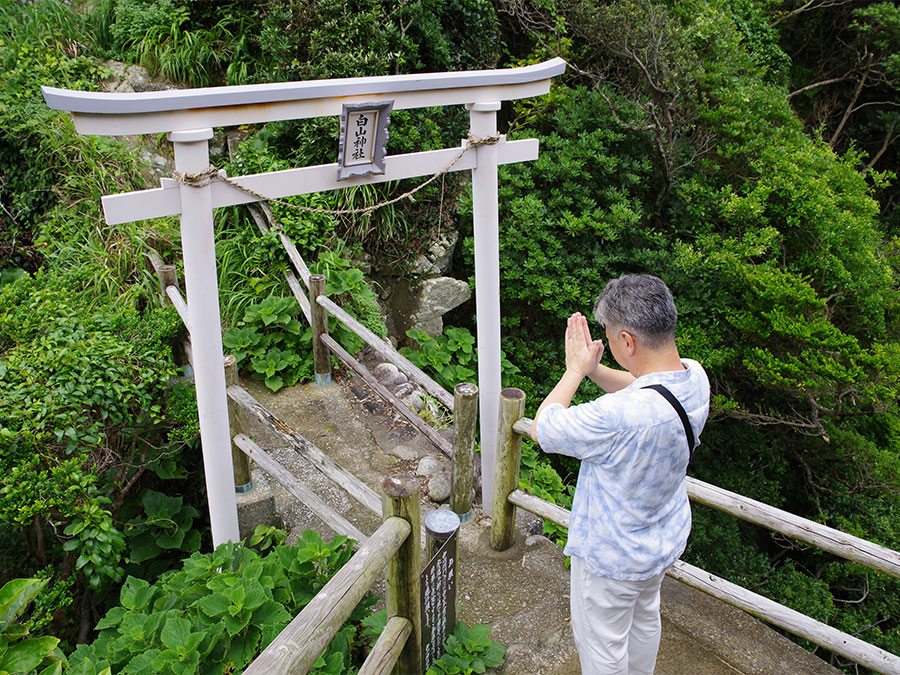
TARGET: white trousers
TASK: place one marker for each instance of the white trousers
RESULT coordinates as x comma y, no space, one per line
616,623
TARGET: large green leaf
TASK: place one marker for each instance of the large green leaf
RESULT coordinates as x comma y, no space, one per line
15,596
28,654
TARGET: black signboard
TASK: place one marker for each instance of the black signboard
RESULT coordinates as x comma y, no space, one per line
438,609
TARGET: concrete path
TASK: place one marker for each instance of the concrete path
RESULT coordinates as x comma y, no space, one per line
523,592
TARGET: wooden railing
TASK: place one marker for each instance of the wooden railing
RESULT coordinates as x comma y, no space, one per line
507,495
513,427
395,547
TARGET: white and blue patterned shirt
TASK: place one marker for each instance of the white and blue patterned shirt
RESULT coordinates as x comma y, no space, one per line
630,516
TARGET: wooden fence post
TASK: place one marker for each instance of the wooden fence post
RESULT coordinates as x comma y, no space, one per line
401,499
465,415
243,480
168,276
506,479
319,324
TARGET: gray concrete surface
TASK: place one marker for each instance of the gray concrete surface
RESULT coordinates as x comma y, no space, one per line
523,592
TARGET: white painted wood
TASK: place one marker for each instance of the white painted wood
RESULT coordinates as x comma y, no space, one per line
151,123
166,201
292,484
249,94
201,285
482,124
114,114
790,620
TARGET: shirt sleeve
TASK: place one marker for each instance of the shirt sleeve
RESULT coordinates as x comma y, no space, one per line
583,431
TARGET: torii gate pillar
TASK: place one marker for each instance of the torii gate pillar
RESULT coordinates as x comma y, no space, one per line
199,250
483,124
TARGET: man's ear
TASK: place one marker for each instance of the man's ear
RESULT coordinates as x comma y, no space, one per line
628,341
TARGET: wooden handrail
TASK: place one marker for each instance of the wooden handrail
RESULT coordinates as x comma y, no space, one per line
826,538
794,622
421,425
289,482
298,646
386,651
386,351
356,488
760,606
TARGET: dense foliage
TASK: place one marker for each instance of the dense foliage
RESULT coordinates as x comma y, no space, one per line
742,150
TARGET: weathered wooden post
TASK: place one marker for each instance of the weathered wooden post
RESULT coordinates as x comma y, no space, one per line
243,480
168,276
319,324
465,415
509,455
401,499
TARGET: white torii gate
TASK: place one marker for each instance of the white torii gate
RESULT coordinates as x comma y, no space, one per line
188,117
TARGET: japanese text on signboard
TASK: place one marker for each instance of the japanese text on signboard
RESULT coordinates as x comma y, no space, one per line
359,142
438,601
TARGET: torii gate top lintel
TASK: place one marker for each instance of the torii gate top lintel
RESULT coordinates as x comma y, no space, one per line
114,114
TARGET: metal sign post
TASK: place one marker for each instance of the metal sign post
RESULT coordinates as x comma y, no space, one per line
438,598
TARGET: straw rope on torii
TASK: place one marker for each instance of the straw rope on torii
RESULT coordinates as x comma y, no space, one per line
213,174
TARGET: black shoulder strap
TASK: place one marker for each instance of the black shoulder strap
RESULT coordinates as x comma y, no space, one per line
688,430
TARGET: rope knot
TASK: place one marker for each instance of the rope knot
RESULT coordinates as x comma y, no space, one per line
475,141
199,178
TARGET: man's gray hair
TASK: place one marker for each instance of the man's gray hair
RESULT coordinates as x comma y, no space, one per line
641,304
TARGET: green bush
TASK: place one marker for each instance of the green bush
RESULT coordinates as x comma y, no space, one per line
221,609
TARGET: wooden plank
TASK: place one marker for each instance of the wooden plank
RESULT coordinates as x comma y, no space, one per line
540,507
289,248
387,352
523,427
298,646
796,623
166,201
292,484
423,427
261,212
179,304
355,487
299,295
824,537
386,651
790,620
